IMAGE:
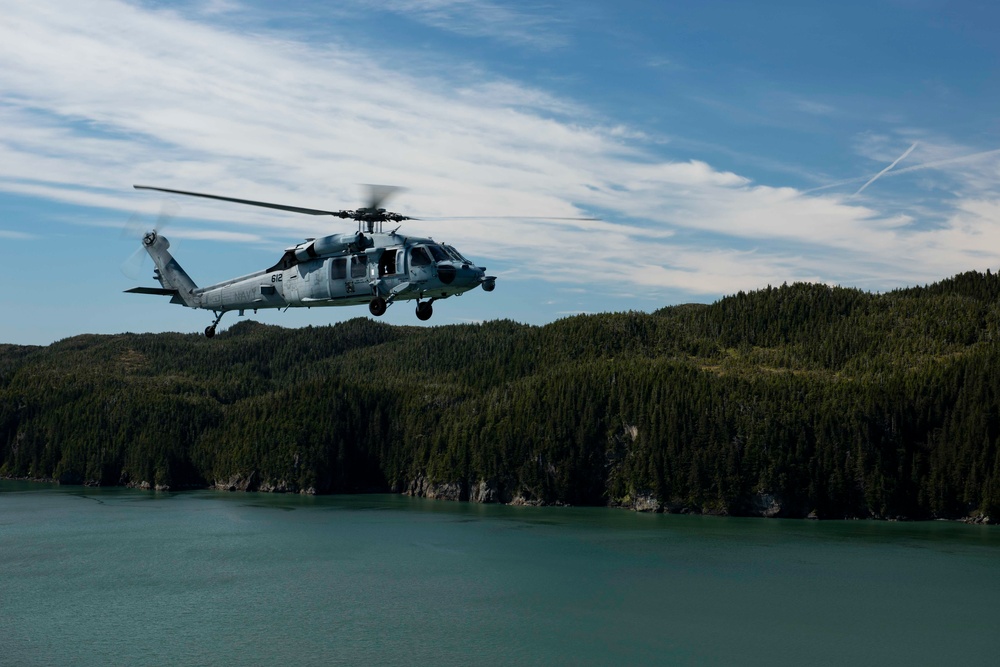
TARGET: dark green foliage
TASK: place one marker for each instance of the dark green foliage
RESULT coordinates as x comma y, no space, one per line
789,400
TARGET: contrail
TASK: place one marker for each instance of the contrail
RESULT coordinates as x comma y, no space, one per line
947,160
905,170
881,173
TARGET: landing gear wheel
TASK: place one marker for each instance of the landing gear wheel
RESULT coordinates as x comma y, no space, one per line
424,310
210,329
377,306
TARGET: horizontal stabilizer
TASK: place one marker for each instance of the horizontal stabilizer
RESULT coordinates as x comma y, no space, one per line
158,291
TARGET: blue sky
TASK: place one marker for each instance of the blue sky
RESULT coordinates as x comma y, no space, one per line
724,146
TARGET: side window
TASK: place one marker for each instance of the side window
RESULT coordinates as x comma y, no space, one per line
359,266
419,257
338,268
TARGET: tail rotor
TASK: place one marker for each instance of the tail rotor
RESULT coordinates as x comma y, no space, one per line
135,228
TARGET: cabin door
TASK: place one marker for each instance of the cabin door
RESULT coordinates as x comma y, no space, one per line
316,278
290,285
388,271
357,282
338,278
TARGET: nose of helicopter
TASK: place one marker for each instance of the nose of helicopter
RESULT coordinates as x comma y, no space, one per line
460,275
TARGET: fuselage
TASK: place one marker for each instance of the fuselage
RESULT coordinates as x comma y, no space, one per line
347,269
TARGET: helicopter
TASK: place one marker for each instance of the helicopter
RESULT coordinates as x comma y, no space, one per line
367,266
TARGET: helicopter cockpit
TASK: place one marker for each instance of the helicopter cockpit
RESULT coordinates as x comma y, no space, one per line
419,257
424,255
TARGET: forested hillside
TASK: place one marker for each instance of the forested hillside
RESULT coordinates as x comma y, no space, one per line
791,401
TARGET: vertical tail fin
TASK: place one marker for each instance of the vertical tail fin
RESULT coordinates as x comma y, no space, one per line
168,271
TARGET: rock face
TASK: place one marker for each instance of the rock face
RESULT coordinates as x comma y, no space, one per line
766,505
421,487
647,502
146,486
446,491
482,491
280,486
238,482
253,481
490,491
522,500
640,502
773,505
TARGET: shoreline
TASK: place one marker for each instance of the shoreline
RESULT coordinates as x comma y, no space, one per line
641,505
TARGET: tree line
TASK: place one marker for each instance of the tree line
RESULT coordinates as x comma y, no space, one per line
794,400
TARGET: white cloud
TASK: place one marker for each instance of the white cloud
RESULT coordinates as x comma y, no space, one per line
16,236
102,96
483,19
216,7
812,107
215,235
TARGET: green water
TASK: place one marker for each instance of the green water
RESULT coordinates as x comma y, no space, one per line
123,577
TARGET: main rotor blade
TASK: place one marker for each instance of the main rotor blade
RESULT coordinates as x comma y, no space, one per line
377,194
505,217
249,202
137,226
168,211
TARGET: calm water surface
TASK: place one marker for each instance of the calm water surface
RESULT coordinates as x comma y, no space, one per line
124,577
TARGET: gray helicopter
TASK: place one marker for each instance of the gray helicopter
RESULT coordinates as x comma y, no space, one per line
368,266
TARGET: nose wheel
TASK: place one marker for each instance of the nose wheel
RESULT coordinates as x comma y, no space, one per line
377,306
424,310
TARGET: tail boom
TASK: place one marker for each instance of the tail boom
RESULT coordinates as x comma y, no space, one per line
174,280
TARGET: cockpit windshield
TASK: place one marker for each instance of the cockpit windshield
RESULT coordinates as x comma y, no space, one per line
437,253
456,255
